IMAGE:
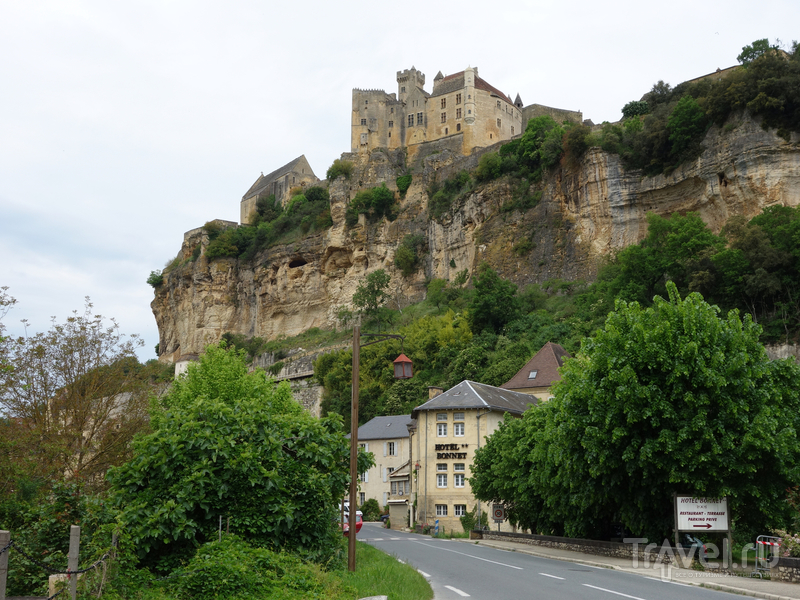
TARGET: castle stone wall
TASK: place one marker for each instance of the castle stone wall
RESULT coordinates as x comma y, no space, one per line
559,114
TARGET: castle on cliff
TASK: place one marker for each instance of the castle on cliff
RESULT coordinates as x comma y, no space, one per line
462,106
463,109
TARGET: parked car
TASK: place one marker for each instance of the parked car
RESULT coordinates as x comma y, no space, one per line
693,543
346,524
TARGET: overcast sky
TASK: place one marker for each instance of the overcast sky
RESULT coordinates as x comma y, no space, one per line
125,124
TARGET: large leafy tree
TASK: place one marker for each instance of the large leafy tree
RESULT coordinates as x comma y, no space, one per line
671,398
495,302
371,295
228,443
71,397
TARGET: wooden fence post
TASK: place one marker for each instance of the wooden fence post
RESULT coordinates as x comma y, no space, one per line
5,537
72,559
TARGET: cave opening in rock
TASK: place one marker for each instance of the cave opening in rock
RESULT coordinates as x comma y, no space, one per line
298,262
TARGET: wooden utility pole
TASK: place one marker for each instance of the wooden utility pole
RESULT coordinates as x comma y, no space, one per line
5,537
72,559
352,513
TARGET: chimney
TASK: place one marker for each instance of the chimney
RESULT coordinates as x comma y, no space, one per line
434,391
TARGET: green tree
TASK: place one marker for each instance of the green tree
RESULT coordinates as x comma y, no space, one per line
635,108
74,395
495,302
667,399
753,51
339,168
686,125
229,443
371,295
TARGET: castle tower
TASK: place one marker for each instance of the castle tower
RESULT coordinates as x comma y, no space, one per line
470,108
407,81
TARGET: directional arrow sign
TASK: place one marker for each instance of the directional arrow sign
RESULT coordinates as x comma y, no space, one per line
710,514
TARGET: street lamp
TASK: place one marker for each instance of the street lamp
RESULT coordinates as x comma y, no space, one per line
402,370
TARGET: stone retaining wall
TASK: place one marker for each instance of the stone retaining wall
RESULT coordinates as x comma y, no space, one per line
788,570
599,548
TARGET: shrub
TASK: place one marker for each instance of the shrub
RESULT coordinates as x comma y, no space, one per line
403,183
339,168
371,510
408,254
232,568
156,278
635,108
469,521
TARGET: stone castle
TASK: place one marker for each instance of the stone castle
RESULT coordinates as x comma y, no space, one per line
463,109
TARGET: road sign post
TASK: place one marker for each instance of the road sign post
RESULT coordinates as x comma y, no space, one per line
703,514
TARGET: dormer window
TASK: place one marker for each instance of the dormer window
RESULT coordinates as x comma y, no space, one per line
532,374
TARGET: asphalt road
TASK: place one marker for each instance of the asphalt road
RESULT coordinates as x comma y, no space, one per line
459,570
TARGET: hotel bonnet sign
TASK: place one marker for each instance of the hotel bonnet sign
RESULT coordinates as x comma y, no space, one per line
701,514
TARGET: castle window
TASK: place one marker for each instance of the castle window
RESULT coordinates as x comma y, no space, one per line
390,134
391,110
458,126
444,117
499,123
458,98
512,130
366,101
446,131
498,104
363,121
419,118
444,102
458,113
469,111
391,123
410,120
403,90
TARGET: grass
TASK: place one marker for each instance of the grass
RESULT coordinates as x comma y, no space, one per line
378,573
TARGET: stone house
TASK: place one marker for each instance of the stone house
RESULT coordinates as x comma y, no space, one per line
539,373
297,173
445,433
388,440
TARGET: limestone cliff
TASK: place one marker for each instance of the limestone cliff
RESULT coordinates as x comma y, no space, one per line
584,214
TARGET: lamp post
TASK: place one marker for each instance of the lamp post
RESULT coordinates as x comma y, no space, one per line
402,370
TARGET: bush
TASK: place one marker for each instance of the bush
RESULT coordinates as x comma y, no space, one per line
469,521
156,278
408,254
403,183
635,108
371,510
339,168
233,569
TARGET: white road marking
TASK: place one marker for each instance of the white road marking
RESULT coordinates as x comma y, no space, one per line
395,539
553,576
423,573
457,591
374,540
494,562
402,562
594,587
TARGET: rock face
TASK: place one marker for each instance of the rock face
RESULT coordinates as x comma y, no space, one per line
584,214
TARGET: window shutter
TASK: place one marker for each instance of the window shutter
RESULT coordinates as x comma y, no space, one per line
384,448
366,476
384,475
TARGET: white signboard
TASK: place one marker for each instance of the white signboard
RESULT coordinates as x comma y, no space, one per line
702,514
